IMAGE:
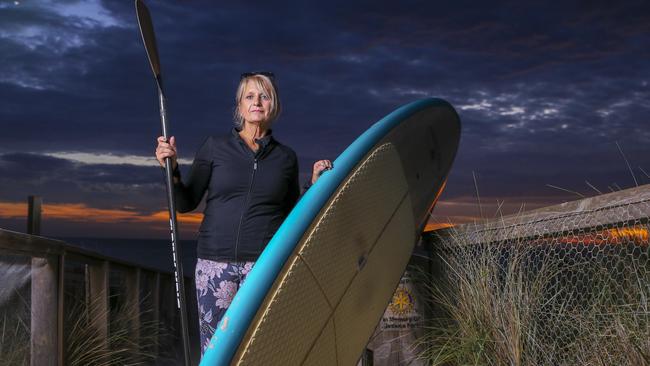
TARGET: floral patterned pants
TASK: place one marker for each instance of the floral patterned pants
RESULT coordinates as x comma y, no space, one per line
216,285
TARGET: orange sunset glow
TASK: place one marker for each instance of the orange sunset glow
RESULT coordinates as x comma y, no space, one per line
433,226
626,235
636,234
77,212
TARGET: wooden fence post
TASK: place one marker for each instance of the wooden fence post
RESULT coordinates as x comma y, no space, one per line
98,299
132,299
155,301
34,215
44,311
61,310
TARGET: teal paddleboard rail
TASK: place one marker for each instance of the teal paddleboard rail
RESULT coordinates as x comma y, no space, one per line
236,321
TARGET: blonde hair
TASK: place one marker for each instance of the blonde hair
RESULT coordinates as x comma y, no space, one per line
263,83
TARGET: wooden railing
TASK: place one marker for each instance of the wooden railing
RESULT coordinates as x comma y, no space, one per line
55,270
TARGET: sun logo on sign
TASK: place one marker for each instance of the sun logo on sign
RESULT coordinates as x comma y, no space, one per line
402,302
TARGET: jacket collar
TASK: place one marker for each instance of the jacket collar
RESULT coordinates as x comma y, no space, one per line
265,143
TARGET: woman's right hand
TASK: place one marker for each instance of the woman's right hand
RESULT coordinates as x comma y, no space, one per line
166,150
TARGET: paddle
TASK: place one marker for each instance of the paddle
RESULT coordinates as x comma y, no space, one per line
149,39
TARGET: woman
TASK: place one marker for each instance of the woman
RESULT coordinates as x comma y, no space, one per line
252,183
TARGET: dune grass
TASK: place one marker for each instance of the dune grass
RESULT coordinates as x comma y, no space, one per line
14,338
517,303
85,344
125,344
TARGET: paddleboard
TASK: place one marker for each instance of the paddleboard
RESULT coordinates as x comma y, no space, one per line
320,287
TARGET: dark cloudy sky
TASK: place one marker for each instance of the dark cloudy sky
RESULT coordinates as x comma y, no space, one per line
544,93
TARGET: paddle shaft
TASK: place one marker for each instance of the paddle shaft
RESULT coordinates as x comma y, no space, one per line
173,227
149,40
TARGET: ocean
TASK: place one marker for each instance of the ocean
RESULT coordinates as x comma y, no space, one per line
151,253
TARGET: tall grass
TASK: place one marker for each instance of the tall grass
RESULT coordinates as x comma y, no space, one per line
125,344
14,337
520,302
85,344
14,310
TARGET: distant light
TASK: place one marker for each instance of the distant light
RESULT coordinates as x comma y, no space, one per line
16,2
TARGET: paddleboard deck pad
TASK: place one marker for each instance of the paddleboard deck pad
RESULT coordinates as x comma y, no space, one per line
317,292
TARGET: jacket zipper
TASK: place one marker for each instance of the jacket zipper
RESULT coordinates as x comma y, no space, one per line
241,217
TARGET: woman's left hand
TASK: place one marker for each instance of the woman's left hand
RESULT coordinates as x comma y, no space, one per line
319,167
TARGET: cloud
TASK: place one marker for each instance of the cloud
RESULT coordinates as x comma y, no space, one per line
60,180
110,159
34,31
543,91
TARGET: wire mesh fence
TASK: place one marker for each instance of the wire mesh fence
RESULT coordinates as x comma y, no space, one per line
565,285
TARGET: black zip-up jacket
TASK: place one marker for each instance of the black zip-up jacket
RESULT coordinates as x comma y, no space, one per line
249,194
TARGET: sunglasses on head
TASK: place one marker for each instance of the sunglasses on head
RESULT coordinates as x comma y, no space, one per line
268,74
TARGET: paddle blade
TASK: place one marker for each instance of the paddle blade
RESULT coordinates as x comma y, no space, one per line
148,36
